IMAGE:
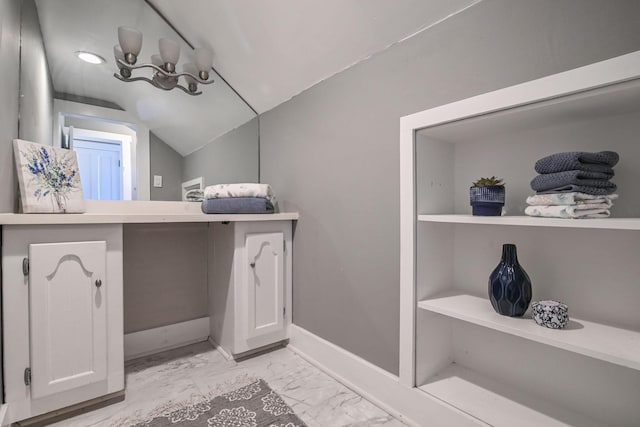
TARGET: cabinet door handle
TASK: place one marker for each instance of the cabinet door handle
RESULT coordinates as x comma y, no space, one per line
98,283
25,266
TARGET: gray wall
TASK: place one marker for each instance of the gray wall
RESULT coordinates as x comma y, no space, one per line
9,96
332,153
9,88
36,87
231,158
164,161
165,274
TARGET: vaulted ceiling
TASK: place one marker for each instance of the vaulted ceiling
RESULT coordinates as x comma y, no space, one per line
270,51
267,50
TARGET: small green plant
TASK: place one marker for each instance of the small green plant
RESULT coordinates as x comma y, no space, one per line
484,182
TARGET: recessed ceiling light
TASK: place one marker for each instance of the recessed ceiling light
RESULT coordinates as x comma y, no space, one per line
89,57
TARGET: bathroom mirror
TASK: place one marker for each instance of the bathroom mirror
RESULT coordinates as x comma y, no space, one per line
140,142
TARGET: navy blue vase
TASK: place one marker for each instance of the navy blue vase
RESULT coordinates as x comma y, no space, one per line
509,285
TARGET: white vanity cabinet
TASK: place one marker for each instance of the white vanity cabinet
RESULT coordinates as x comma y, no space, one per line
62,308
249,285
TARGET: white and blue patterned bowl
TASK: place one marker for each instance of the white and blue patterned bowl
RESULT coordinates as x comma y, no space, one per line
550,314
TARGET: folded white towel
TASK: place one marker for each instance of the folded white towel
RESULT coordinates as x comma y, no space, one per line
574,198
221,191
194,195
599,210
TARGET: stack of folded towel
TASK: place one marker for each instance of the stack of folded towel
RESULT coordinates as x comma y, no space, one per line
247,198
574,185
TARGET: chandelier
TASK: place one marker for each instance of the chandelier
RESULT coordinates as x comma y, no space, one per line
163,66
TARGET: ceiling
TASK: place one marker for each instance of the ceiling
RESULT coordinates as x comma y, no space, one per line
268,51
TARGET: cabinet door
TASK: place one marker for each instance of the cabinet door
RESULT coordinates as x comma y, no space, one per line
68,333
265,292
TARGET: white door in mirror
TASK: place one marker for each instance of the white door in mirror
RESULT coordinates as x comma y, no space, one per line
100,169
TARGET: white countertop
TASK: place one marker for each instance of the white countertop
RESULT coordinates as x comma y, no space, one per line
131,212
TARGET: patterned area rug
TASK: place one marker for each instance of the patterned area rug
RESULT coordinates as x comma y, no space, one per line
252,405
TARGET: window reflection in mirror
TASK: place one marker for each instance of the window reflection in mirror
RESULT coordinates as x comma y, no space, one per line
127,134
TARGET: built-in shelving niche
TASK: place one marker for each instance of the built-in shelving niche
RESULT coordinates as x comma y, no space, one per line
503,370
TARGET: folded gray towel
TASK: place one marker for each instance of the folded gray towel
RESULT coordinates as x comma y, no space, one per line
550,181
602,161
237,205
596,191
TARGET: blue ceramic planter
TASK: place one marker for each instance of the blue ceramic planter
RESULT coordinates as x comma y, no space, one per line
487,200
509,285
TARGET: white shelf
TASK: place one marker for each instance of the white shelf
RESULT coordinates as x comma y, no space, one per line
608,343
496,403
528,221
137,218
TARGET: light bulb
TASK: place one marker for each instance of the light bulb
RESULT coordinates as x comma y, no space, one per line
169,51
130,40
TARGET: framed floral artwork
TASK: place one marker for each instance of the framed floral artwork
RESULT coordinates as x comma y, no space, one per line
49,178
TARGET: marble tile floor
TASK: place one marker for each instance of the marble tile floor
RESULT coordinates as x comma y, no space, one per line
193,371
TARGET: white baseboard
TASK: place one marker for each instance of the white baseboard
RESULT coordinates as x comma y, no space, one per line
410,405
150,341
221,350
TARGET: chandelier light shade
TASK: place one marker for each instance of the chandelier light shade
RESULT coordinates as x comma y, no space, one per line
156,60
117,52
204,61
164,75
130,41
169,52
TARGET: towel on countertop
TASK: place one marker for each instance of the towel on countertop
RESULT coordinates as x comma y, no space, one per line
600,210
195,195
222,191
573,198
602,161
237,205
559,180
